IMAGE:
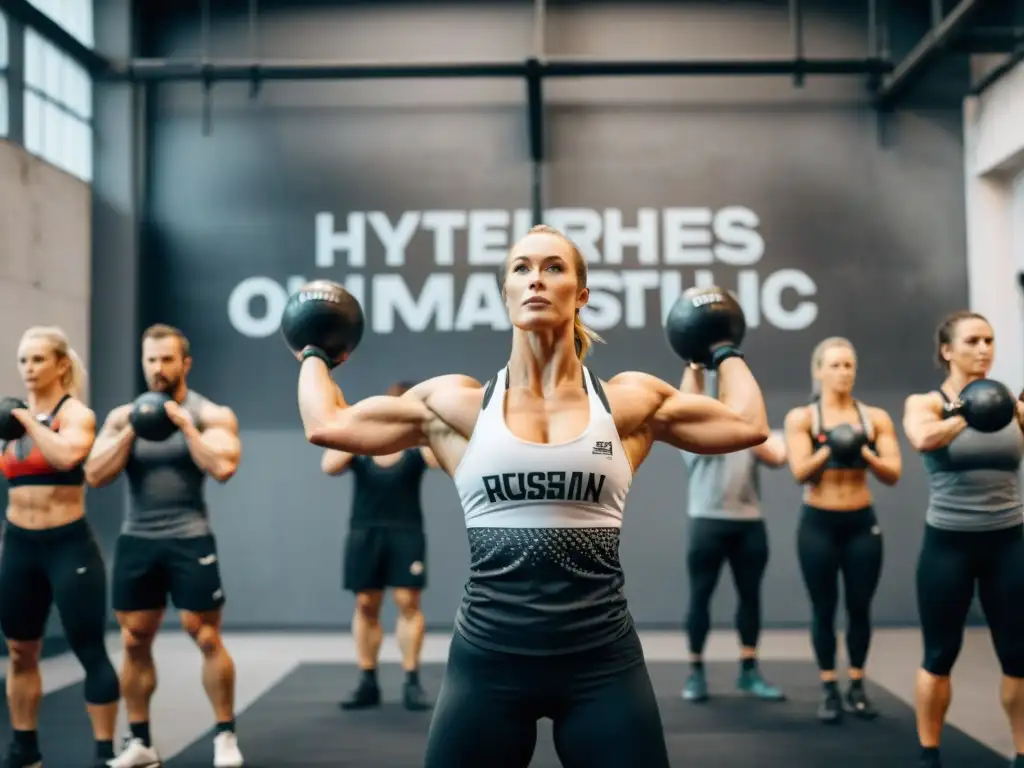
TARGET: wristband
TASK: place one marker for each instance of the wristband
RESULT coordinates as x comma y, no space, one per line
319,354
722,354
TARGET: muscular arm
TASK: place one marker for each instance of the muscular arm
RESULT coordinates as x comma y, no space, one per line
217,448
372,427
924,426
111,450
700,424
804,461
772,452
885,462
68,448
335,462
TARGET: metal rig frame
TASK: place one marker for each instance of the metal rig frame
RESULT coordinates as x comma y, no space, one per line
955,31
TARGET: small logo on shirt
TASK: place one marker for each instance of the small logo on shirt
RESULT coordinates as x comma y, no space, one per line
416,568
602,448
207,559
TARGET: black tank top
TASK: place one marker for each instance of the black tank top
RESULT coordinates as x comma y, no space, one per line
388,496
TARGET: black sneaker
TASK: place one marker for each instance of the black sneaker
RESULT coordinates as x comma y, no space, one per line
858,704
414,697
830,711
18,759
364,696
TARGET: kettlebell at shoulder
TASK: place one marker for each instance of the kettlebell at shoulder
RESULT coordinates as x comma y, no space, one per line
986,405
703,319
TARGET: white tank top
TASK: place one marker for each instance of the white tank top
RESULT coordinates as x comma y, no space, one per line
543,523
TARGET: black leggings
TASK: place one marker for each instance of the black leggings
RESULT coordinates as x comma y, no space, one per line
830,543
64,567
601,701
744,544
950,565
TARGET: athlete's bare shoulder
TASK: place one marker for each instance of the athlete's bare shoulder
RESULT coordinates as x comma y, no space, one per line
454,399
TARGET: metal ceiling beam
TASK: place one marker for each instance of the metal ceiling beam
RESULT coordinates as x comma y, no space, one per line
916,63
169,70
27,14
995,74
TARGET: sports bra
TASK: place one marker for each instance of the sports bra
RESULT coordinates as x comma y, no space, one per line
24,464
820,436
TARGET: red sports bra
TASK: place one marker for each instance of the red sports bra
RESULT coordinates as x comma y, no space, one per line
24,464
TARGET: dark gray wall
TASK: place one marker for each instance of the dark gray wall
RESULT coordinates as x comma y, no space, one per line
875,227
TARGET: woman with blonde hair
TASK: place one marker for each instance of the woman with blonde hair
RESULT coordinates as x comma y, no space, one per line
50,556
832,444
543,457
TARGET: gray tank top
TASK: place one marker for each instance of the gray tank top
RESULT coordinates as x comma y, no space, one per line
723,486
973,482
166,499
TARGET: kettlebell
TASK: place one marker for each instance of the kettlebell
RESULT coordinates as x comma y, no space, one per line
846,442
10,427
149,419
988,406
323,314
702,318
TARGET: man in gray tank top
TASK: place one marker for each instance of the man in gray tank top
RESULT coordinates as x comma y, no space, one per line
726,525
166,547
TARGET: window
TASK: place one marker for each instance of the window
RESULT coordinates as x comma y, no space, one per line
5,112
58,107
75,16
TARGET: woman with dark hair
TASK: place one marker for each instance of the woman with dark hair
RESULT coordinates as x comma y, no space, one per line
832,445
974,532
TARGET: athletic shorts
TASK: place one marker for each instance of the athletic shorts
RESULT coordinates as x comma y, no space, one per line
378,557
147,571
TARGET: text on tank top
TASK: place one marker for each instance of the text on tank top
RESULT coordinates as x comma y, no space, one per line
543,522
166,487
23,463
388,496
974,483
820,436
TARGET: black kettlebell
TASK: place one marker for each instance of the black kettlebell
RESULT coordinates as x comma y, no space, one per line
323,314
988,406
10,427
149,419
846,443
702,318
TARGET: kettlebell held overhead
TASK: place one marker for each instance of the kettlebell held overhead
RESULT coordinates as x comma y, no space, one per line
323,320
705,326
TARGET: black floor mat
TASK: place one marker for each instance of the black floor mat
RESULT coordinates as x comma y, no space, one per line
65,735
297,724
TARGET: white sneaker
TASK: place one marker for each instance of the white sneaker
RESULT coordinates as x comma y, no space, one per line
135,754
225,751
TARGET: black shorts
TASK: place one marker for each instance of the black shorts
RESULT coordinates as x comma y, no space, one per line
60,566
147,570
378,557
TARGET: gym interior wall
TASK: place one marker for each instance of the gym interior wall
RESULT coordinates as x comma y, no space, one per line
824,220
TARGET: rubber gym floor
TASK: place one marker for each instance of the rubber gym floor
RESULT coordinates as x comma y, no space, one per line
289,684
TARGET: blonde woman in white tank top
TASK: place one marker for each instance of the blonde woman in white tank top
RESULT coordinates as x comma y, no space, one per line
542,456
